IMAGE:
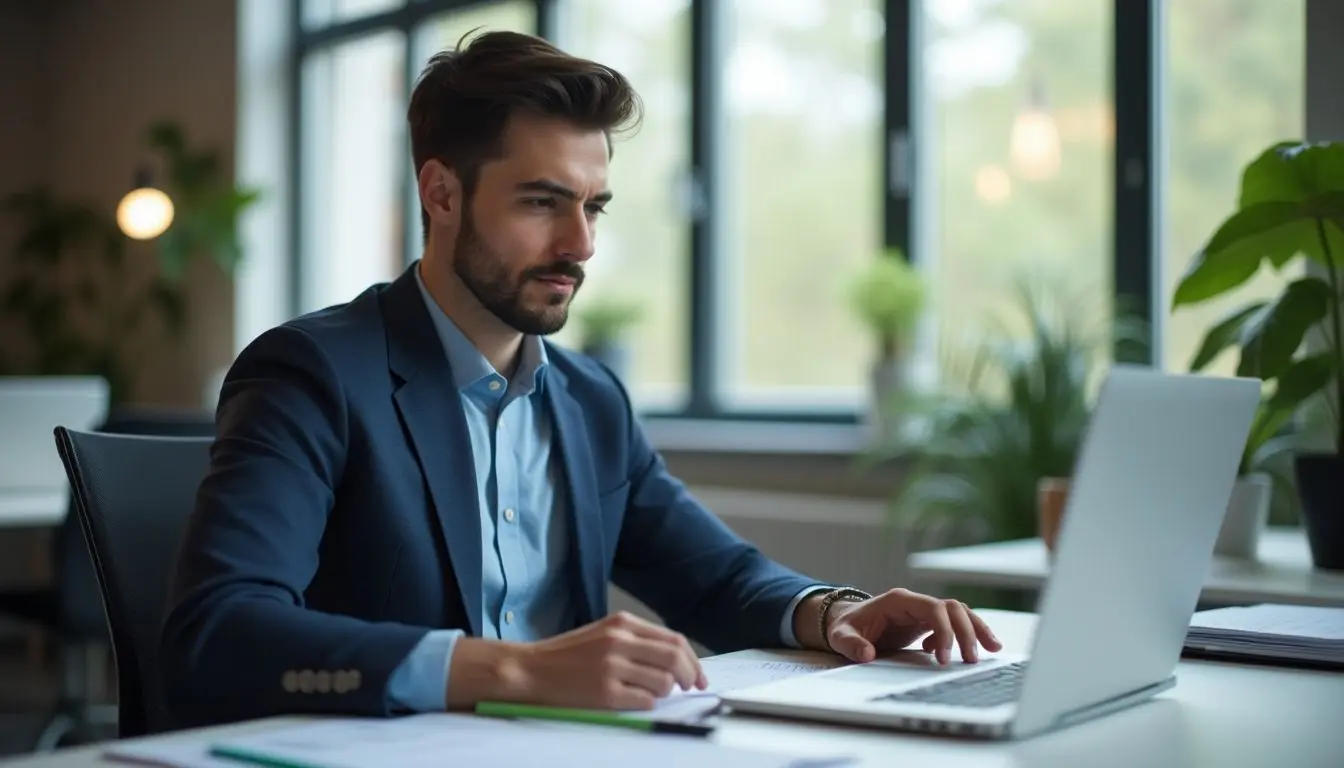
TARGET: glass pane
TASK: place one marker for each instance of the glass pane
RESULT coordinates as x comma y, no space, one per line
1019,169
353,128
803,95
445,31
643,243
321,13
1223,104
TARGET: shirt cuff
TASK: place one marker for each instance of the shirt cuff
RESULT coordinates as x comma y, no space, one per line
420,682
786,626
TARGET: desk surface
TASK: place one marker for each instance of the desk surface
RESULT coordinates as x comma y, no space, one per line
1217,715
38,509
1282,572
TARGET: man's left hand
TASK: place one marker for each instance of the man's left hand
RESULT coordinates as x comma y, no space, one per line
895,619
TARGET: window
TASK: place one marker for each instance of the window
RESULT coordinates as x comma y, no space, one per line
1234,84
642,245
319,13
1019,101
802,112
786,143
351,128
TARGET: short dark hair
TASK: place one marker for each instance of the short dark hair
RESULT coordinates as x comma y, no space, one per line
465,95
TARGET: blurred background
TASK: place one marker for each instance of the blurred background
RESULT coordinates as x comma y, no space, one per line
834,213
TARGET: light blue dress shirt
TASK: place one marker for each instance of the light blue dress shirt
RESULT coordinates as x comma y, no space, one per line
524,523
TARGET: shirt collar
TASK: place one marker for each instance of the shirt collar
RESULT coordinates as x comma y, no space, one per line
470,368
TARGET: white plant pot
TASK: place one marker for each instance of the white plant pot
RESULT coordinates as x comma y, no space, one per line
1247,514
885,381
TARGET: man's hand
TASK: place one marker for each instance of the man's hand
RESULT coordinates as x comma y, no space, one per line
895,619
620,662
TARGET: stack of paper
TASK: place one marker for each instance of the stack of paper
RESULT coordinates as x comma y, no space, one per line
1271,631
445,739
729,675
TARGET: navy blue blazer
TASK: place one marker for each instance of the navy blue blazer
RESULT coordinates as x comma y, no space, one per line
338,523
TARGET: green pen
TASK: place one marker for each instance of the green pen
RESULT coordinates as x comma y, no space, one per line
589,717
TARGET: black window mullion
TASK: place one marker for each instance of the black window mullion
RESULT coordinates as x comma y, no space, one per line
901,52
707,27
295,150
1136,66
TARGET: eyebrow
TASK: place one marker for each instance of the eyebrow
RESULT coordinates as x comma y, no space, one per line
555,188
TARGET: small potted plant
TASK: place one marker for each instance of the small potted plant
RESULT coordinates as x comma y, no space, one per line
888,297
604,325
1290,210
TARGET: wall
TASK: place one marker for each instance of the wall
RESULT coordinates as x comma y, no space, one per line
25,127
92,74
79,82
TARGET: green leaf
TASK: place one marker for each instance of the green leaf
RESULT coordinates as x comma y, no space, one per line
1235,251
1273,334
1223,335
1293,171
1304,378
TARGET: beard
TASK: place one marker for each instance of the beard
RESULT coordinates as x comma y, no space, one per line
482,271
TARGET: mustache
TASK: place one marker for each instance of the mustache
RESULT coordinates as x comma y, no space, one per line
571,269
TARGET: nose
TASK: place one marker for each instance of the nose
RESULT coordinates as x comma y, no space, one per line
574,238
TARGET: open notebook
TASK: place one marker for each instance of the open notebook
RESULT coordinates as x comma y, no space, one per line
1296,635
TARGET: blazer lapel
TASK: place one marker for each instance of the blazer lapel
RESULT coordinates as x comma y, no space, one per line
587,542
431,413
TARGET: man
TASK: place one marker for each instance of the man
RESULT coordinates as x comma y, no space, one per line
416,504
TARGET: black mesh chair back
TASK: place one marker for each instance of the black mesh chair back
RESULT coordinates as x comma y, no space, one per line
133,495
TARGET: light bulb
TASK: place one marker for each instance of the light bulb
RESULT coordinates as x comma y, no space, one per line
144,213
1034,145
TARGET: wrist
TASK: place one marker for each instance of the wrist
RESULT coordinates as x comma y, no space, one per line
486,670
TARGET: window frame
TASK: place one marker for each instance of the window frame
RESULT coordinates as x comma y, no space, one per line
1136,200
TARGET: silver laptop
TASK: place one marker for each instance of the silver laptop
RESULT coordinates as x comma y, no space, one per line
31,407
1148,497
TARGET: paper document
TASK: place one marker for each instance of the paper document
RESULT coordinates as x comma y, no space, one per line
1286,631
731,674
449,739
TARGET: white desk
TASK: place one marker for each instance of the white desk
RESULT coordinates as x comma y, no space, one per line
1282,573
1217,715
33,510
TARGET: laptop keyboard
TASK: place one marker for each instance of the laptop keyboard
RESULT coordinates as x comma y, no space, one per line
982,689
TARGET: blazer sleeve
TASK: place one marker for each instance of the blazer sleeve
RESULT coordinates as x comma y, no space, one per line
238,641
679,559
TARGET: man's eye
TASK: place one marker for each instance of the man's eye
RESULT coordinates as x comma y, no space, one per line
540,202
596,210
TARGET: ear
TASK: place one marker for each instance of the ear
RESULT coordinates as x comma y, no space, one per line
440,192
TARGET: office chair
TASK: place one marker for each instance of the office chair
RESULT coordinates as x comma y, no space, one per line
132,495
71,609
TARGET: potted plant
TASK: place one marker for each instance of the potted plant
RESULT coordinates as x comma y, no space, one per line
604,323
88,325
1014,417
888,297
1290,210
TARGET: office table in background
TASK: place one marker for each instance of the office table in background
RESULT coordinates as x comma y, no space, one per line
1282,572
1218,714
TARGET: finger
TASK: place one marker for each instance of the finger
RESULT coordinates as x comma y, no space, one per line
935,616
850,643
930,643
628,697
691,674
654,681
982,631
964,630
673,658
701,682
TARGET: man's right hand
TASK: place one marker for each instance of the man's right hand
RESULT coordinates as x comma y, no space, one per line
619,662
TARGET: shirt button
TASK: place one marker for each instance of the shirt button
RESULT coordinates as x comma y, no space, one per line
508,617
495,385
508,515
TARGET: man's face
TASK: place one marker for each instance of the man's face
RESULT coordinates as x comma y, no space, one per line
528,227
